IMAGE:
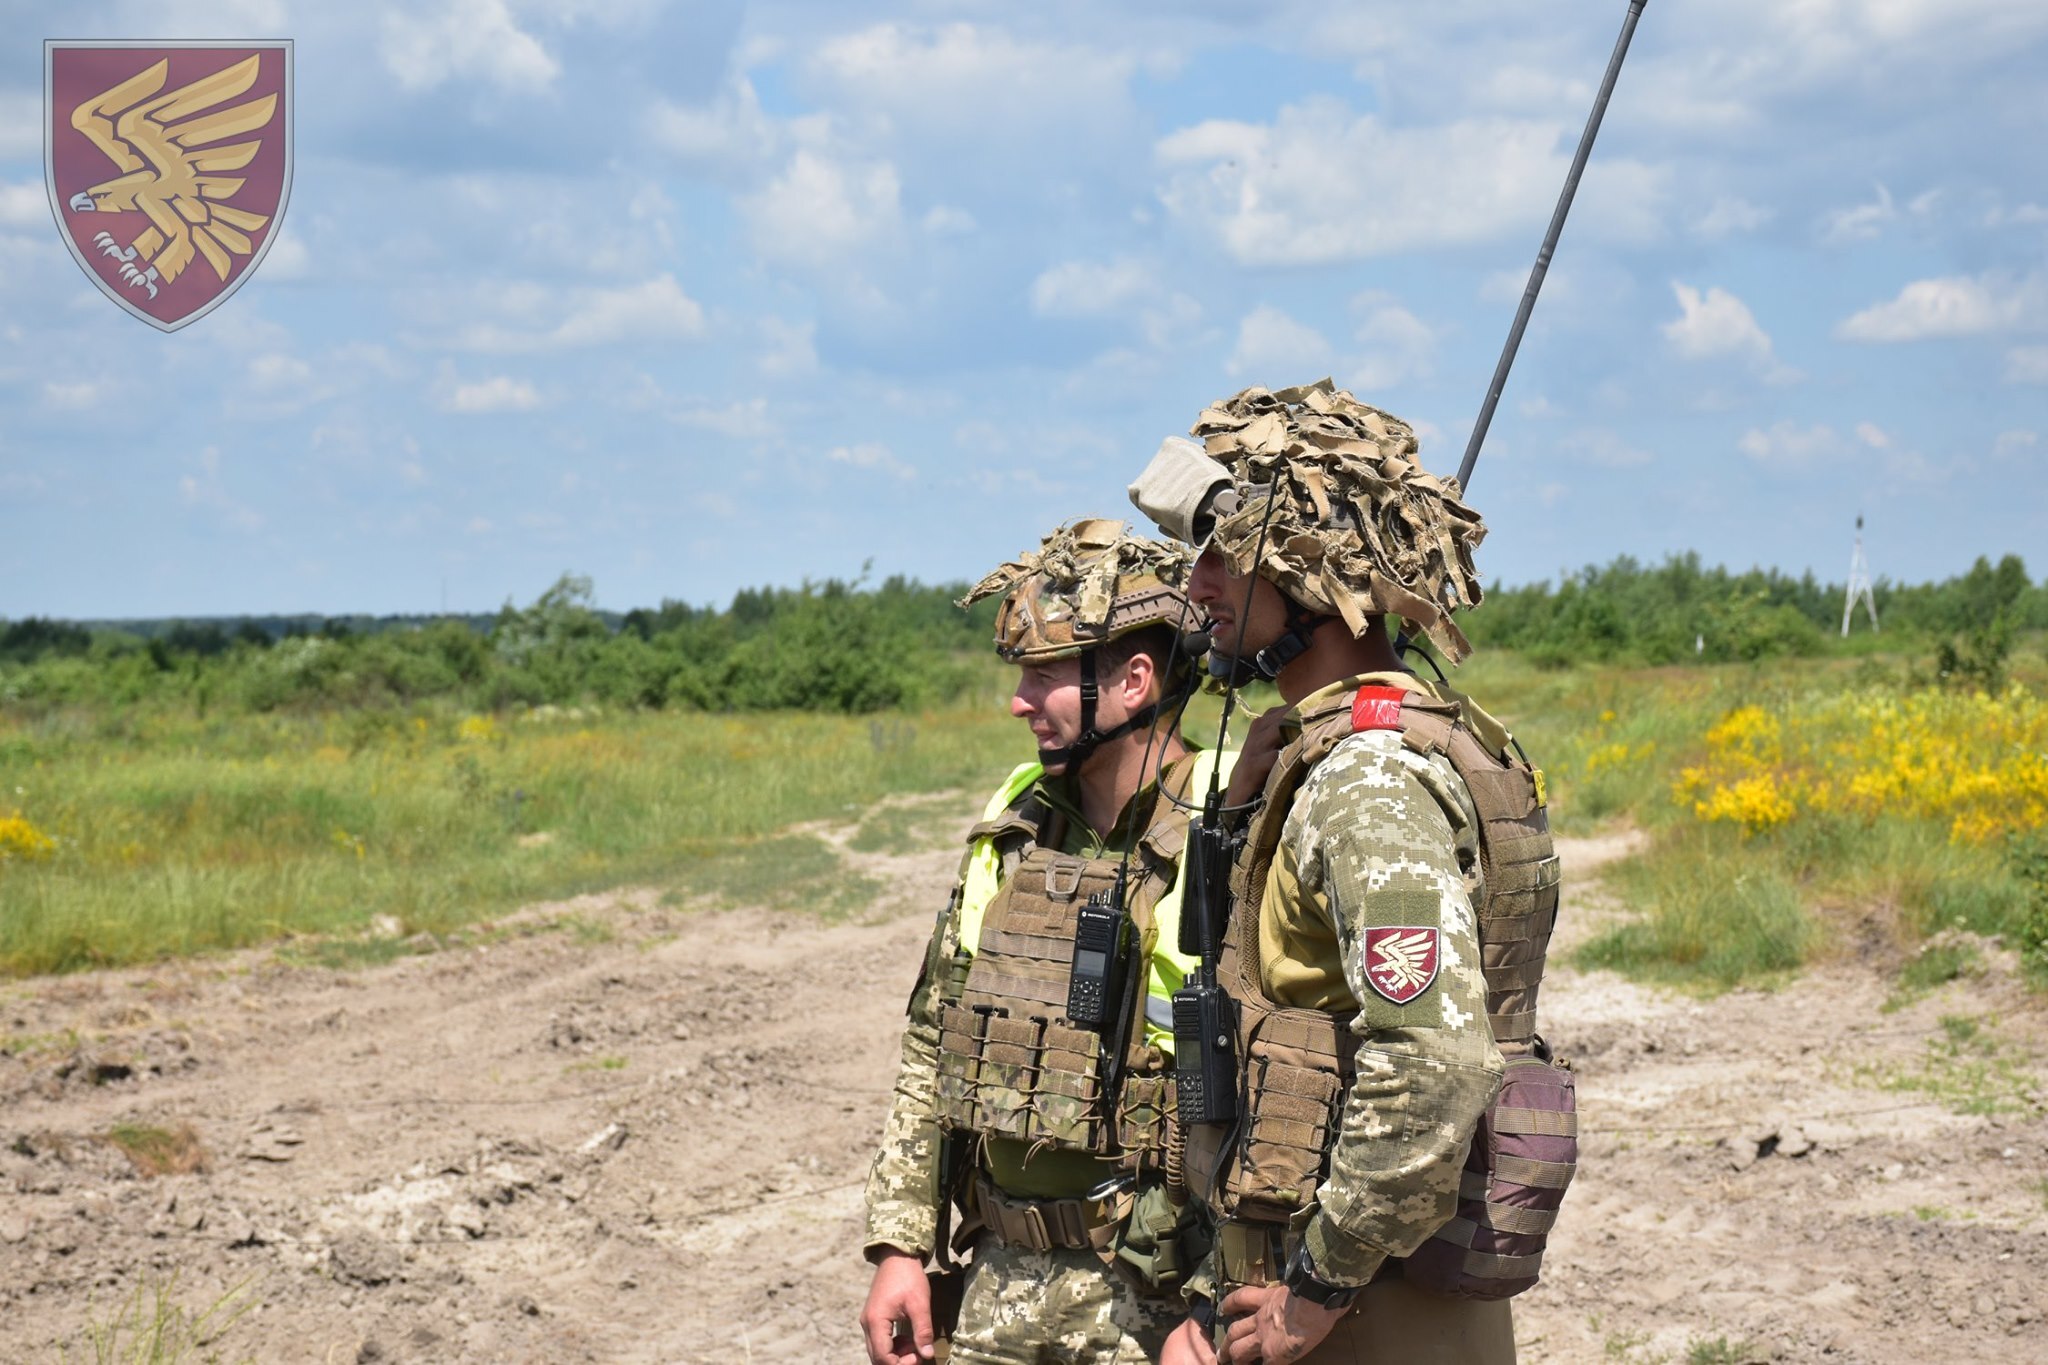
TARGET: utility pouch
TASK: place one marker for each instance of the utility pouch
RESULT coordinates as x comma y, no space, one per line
1159,1242
1294,1091
1066,1104
1523,1156
960,1038
1144,1122
1009,1071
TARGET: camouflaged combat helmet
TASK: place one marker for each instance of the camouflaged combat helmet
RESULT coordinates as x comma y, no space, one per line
1323,496
1088,583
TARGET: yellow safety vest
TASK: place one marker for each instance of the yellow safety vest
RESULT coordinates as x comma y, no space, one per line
1170,967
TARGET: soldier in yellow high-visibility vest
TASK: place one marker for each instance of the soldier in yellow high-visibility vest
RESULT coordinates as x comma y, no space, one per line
1037,1112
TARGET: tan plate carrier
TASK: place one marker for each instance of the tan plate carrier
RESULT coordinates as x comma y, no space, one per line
1297,1065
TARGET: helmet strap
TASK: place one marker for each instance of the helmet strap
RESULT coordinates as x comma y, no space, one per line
1270,661
1090,739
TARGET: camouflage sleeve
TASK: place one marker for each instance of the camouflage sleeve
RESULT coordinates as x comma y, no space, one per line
1375,839
903,1181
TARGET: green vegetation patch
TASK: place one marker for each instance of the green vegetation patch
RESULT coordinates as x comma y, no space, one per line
1968,1069
151,1326
158,1151
190,835
1706,922
788,872
906,827
1721,1351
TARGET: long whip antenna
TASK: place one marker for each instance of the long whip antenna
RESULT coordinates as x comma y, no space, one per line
1542,266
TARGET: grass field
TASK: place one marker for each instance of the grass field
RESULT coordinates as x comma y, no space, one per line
1792,809
127,838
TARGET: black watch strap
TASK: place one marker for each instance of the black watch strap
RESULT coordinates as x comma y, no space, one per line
1301,1280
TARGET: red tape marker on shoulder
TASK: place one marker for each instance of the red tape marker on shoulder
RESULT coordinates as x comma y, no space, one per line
1377,708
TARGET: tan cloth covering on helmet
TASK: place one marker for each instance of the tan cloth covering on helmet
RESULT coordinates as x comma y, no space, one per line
1088,582
1361,528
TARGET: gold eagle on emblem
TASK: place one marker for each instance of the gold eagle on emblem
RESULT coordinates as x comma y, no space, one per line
164,144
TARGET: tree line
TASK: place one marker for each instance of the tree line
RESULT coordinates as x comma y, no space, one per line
855,647
830,646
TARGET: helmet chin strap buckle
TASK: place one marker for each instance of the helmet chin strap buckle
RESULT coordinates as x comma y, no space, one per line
1271,661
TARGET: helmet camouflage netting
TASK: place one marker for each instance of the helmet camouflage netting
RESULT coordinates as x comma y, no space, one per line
1360,528
1089,582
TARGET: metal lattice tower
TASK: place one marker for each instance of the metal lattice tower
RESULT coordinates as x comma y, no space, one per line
1859,584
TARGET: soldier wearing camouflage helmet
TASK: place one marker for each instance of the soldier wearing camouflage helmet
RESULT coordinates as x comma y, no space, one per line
1366,1016
1046,1137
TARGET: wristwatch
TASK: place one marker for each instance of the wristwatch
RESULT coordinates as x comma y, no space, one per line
1301,1279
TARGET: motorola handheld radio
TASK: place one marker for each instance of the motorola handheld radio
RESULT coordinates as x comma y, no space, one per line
1102,940
1204,1025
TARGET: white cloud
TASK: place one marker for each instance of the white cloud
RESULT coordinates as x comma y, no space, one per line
1320,185
500,393
1397,345
745,419
2014,442
286,258
1729,216
21,124
76,395
871,455
653,310
279,373
1608,449
1274,350
2026,215
969,84
1873,435
24,206
1789,445
730,134
822,210
1861,222
1089,289
948,220
465,39
1714,323
1952,306
792,348
205,490
2026,365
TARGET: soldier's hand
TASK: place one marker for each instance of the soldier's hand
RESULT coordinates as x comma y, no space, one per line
897,1319
1188,1344
1274,1326
1262,745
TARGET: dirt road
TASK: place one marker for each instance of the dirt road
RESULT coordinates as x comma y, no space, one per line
619,1130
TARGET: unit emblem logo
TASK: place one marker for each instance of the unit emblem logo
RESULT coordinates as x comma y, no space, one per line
1401,962
168,166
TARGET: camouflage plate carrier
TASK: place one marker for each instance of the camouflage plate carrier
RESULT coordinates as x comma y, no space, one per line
1298,1064
1010,1062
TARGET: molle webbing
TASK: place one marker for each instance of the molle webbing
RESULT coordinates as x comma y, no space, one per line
1522,1159
1517,861
1009,1062
1263,1175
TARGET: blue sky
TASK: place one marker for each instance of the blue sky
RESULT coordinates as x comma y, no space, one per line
690,297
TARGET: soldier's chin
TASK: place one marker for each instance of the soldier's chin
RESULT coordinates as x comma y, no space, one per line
1053,761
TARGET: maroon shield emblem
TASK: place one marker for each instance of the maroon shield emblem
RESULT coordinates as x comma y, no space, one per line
168,166
1400,962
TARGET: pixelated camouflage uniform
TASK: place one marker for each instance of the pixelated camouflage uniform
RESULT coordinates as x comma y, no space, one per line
1019,1304
1380,836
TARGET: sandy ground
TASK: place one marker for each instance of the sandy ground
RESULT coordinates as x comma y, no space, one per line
619,1130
